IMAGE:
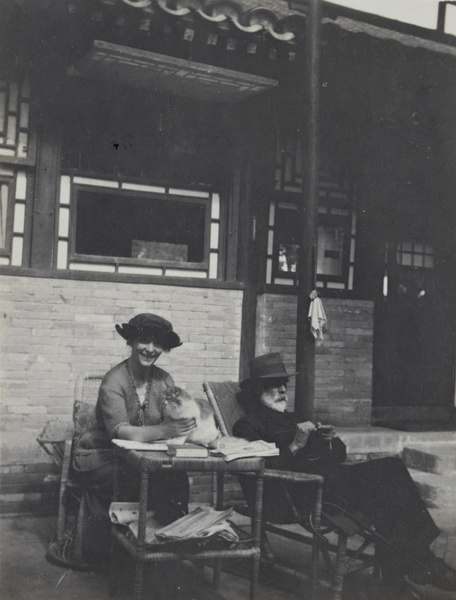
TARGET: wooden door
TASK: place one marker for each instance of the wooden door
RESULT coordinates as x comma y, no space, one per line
414,354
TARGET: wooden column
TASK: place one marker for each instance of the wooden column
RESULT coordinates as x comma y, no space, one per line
256,157
308,214
46,190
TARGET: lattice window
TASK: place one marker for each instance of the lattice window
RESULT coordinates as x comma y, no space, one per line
13,194
335,245
14,119
121,227
411,253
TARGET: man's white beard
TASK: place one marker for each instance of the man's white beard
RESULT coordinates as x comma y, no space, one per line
268,400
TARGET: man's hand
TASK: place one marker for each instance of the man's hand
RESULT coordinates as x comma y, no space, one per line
328,432
302,436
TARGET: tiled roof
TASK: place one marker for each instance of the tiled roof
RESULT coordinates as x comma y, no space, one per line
248,15
390,34
281,21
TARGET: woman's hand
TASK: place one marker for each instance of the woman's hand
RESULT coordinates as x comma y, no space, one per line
301,436
177,427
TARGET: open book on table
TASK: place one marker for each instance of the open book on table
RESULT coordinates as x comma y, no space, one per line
158,446
233,448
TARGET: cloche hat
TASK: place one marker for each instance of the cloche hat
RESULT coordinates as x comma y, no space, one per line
147,327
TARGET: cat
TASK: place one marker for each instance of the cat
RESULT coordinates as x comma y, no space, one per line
177,403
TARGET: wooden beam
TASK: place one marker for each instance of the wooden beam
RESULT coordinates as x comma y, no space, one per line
46,191
308,215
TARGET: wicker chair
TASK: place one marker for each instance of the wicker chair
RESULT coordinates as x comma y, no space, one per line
57,440
328,537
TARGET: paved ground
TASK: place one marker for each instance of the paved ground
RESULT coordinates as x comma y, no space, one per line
26,575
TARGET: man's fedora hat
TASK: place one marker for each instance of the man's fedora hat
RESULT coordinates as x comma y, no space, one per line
267,366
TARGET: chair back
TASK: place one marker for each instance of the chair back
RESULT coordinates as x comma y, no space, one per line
85,399
223,398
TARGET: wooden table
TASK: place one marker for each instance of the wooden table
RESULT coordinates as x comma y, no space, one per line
149,462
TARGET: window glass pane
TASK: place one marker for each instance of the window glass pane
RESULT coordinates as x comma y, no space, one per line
288,257
406,260
417,260
2,110
429,261
287,236
3,212
330,250
111,224
406,246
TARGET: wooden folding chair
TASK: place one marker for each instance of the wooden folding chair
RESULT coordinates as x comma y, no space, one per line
340,560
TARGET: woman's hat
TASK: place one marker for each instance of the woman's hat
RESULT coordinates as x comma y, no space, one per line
267,366
147,327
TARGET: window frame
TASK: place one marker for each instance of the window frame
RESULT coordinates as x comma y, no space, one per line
332,220
287,201
6,250
76,257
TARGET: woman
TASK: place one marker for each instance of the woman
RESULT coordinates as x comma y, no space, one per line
128,408
382,490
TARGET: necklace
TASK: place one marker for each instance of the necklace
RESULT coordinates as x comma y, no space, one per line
144,406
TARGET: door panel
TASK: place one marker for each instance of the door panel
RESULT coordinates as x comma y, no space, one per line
414,342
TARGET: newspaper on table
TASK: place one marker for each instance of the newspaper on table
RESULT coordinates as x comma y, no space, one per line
202,522
232,448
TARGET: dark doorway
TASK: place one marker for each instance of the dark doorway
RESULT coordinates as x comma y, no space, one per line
414,356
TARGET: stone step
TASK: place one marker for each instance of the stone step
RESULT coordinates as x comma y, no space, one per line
431,457
437,491
382,440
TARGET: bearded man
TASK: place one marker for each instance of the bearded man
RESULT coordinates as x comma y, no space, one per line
381,490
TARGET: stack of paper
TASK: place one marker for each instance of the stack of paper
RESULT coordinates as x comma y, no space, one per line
233,448
200,523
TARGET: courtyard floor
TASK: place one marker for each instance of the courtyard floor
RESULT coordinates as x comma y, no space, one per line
26,574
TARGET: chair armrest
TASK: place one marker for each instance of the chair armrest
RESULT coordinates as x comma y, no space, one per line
293,476
302,478
52,439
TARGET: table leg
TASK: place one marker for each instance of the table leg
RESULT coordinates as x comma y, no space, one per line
220,478
316,515
339,571
256,530
139,573
113,570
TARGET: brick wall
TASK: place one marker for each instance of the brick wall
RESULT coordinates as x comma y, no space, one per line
343,369
53,329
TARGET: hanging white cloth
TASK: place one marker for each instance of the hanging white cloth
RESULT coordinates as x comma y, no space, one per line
317,316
